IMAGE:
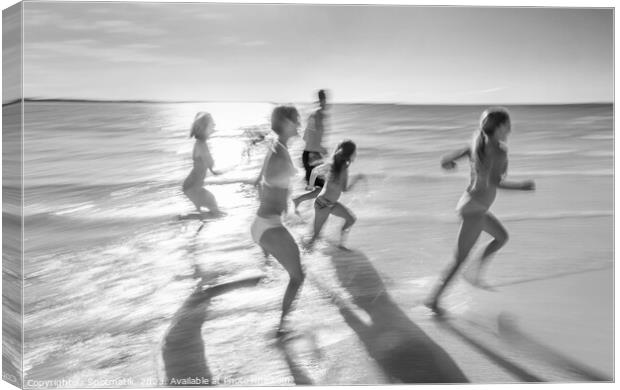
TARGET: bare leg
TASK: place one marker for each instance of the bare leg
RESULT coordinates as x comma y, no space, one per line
307,196
471,227
200,197
279,243
342,211
320,217
190,193
208,200
500,236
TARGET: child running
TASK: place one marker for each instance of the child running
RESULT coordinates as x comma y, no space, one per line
267,229
201,130
489,162
337,175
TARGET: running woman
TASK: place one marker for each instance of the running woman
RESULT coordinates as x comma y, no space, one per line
201,130
326,203
273,182
489,163
314,150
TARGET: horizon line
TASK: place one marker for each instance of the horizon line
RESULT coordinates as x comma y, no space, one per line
147,101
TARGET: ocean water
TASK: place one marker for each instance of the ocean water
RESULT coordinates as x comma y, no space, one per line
109,267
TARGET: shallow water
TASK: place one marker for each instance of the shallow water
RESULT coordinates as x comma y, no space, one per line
108,266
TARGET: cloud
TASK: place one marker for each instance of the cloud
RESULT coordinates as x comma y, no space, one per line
114,26
477,91
489,90
236,41
39,19
116,18
120,26
255,43
210,16
71,50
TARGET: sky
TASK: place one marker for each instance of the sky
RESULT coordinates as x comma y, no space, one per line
11,53
284,53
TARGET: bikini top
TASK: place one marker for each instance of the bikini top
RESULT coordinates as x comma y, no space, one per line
282,180
201,156
319,171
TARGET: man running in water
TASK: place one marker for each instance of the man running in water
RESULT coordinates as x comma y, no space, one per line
314,151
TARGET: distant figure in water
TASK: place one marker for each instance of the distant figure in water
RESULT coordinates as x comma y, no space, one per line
253,138
273,183
489,163
337,181
201,130
314,151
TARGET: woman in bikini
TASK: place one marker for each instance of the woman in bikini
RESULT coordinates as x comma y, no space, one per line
337,182
489,163
273,184
201,130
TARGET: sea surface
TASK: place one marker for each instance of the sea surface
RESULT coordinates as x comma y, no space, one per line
109,267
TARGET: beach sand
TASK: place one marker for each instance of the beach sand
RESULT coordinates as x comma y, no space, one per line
122,298
373,334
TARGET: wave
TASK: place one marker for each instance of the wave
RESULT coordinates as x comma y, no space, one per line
598,137
558,215
598,153
538,173
101,218
170,214
452,217
43,192
120,187
464,173
549,152
414,128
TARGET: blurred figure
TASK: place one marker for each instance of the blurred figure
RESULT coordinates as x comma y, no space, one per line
314,151
273,182
489,163
337,174
253,137
201,130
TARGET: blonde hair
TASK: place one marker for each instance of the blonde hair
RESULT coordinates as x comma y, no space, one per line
201,121
490,120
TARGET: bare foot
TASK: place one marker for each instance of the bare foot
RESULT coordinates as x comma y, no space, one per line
434,306
475,279
472,274
308,245
280,333
214,213
471,278
484,285
343,240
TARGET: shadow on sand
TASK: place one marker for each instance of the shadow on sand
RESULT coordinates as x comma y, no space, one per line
510,332
401,348
183,347
291,347
552,276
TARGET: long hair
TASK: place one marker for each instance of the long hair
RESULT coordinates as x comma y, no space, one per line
280,113
201,121
490,120
342,157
